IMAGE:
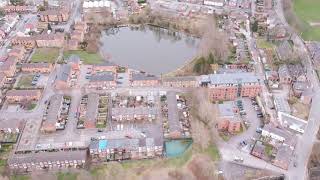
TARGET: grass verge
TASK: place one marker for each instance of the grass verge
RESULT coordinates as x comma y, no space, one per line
48,55
87,58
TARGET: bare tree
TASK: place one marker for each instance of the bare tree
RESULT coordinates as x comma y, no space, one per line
214,41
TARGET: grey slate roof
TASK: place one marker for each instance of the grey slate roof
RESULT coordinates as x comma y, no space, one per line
48,156
64,72
92,107
140,76
106,76
233,78
54,108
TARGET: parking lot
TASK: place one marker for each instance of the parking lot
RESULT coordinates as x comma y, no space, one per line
251,117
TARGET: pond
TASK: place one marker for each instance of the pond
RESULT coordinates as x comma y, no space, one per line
147,48
177,147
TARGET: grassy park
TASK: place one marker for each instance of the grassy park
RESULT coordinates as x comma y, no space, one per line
25,81
48,55
308,11
86,58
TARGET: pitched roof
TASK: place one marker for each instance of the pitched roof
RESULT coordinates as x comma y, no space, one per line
64,72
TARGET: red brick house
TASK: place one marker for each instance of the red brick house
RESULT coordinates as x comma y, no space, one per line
18,52
3,79
50,40
36,67
27,42
228,120
9,67
16,96
54,15
103,67
232,85
140,80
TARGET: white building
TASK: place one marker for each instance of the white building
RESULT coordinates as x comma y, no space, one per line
218,3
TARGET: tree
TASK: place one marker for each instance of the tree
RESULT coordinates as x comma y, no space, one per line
41,8
49,27
254,26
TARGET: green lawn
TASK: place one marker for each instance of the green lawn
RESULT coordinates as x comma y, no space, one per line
25,81
48,55
309,11
213,152
264,44
66,176
87,58
20,177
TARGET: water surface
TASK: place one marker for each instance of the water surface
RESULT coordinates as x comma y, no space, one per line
151,49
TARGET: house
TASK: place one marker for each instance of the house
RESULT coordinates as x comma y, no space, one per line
124,149
299,87
285,51
306,96
11,125
72,44
258,150
103,80
292,123
80,26
18,52
314,173
314,50
281,104
180,81
91,111
77,35
106,66
36,67
278,32
229,86
50,40
53,114
3,80
54,15
140,79
284,75
17,96
228,119
26,41
218,3
74,61
9,67
63,77
16,9
44,160
297,72
279,135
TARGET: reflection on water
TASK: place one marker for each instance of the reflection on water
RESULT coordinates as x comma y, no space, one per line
148,48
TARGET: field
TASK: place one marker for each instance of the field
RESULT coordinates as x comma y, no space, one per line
308,11
25,81
86,58
48,55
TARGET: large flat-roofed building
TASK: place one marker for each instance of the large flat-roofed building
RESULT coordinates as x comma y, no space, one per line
53,114
47,160
16,96
232,85
180,82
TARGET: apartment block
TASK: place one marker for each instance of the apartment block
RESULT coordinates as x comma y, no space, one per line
232,85
16,96
143,80
36,67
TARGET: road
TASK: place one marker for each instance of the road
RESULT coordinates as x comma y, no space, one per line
305,143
